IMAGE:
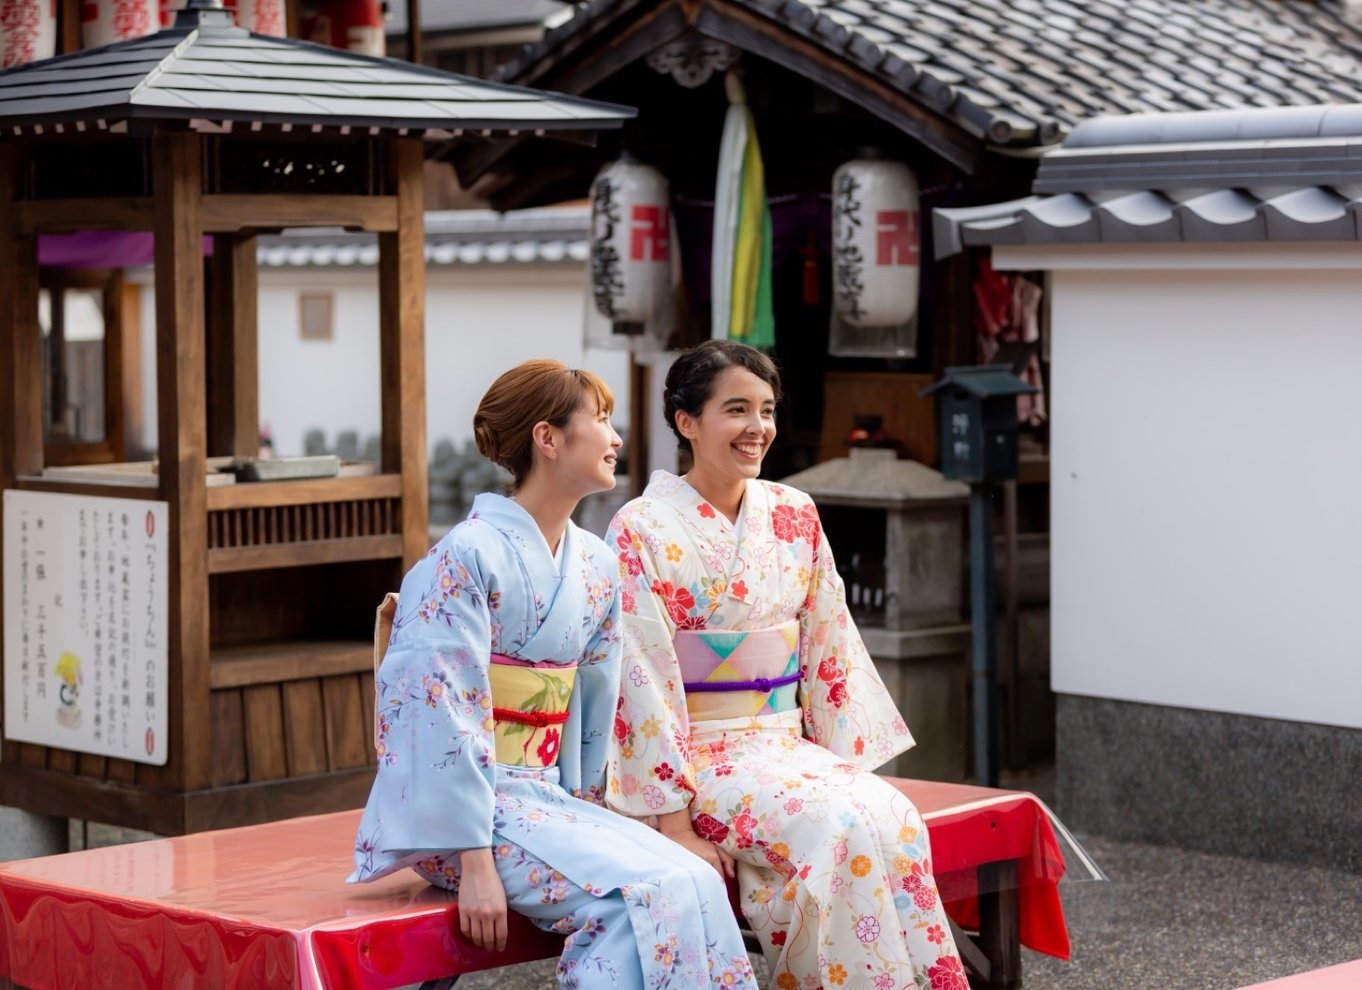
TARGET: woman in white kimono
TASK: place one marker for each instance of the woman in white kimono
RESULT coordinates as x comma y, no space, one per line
750,715
495,700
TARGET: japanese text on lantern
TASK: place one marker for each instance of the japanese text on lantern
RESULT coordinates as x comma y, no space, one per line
85,599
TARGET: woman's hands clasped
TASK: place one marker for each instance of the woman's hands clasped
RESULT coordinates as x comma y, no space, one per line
677,827
482,900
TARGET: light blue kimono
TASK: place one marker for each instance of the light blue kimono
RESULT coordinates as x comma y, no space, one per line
637,910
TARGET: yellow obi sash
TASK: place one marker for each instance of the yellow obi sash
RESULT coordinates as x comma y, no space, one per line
530,704
738,673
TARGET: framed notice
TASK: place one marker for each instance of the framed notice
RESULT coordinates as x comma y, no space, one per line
85,598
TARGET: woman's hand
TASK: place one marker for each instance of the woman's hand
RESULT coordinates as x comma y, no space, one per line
482,900
677,827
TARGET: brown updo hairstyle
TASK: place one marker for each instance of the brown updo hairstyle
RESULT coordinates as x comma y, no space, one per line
690,380
535,391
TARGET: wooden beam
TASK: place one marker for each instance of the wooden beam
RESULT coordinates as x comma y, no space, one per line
114,373
414,41
224,560
56,216
402,366
182,447
306,492
21,426
233,348
130,390
68,26
251,804
55,792
290,660
226,213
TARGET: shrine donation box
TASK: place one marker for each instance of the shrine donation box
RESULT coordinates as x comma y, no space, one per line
897,532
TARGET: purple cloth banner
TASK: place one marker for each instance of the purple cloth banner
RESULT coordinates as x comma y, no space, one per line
101,249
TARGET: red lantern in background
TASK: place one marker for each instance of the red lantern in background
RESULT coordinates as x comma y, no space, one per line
355,25
28,31
259,16
102,22
876,243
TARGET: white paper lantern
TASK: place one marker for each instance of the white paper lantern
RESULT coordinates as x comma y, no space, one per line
102,22
630,242
258,16
28,31
876,243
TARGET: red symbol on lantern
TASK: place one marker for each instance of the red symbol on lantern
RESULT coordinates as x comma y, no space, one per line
649,234
151,524
896,237
150,741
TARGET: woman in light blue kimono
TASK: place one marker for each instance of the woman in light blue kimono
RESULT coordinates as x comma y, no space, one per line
495,702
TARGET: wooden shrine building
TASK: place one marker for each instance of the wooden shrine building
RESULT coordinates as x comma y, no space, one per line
967,94
205,136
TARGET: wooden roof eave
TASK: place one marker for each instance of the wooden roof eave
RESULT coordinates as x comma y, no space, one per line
620,36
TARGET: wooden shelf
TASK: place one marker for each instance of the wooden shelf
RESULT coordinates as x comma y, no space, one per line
264,494
225,560
288,660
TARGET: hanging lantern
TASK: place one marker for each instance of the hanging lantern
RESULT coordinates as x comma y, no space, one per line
630,243
355,25
258,16
102,22
876,243
28,31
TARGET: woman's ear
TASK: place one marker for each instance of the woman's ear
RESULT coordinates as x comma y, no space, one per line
545,438
686,423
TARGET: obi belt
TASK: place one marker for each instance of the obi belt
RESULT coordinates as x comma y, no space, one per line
739,673
530,705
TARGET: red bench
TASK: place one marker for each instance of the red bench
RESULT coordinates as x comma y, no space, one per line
265,906
1348,976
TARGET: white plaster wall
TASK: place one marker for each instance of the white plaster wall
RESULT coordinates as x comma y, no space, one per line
480,321
1206,467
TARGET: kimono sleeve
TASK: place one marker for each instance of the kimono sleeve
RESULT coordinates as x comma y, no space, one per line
436,753
847,708
650,766
593,706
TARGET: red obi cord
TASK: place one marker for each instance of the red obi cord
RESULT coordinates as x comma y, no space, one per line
538,719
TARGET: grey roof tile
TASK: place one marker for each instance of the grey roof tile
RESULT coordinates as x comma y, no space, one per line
204,66
1059,62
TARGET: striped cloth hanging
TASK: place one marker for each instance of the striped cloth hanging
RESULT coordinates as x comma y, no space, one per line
740,266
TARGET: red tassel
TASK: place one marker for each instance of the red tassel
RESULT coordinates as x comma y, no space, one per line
812,292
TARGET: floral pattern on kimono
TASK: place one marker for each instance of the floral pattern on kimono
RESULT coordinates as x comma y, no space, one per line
834,865
491,585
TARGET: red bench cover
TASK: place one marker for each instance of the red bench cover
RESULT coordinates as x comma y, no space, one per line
265,906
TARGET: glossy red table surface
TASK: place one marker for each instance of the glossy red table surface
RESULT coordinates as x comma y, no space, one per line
267,906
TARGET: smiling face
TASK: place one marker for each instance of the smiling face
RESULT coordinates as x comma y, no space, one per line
733,431
589,451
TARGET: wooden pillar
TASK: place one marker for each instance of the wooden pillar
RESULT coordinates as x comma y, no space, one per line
233,379
637,450
182,447
402,360
414,52
21,384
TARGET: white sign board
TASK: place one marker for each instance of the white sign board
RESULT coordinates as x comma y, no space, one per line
85,624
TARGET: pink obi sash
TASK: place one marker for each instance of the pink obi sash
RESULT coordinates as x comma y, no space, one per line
738,673
530,702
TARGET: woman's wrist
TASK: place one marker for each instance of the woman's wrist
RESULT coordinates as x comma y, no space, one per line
675,822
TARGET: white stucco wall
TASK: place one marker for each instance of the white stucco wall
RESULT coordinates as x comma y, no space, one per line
1206,466
480,321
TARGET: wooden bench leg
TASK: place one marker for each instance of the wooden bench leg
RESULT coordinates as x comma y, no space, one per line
1000,925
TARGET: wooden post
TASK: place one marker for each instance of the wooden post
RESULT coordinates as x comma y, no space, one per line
402,361
1000,924
414,52
21,384
637,449
233,348
182,447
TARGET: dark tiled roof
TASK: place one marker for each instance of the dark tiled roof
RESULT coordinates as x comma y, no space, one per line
472,15
204,68
453,237
1284,174
1023,72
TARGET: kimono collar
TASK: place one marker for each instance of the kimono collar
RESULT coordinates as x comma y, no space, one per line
678,493
511,518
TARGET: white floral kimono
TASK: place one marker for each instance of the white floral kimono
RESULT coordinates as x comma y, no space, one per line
521,769
834,864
